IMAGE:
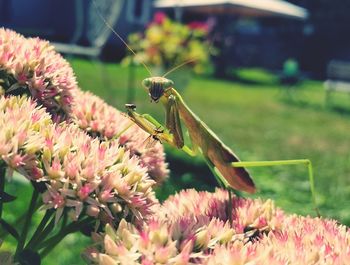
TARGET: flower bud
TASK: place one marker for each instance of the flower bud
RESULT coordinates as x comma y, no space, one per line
92,210
110,246
116,208
159,236
72,215
162,255
226,237
202,239
105,260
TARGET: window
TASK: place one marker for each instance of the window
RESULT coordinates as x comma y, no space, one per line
138,11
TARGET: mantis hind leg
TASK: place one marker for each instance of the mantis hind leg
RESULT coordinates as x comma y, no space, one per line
224,184
305,162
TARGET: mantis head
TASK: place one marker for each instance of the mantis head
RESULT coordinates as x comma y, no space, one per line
156,86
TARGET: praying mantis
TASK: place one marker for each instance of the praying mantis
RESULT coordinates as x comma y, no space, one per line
223,162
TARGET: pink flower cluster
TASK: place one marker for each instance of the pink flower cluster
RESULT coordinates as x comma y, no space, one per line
31,66
193,228
299,240
159,17
21,123
166,43
100,120
105,172
80,173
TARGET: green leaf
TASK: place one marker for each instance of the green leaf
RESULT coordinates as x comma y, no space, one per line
9,228
5,197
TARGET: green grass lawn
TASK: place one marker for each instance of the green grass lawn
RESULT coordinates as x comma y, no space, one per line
259,120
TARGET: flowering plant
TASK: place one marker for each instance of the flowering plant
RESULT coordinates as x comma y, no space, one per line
31,66
166,44
78,153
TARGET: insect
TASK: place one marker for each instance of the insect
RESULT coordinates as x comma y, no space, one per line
152,139
217,155
223,162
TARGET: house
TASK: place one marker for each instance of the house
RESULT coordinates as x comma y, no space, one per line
74,21
262,42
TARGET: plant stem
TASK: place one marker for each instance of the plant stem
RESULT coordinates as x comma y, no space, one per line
18,221
29,216
2,183
38,232
42,236
229,207
54,240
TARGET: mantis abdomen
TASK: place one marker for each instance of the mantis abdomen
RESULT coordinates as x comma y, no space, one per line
213,149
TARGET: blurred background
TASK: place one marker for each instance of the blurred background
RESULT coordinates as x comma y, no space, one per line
272,79
256,33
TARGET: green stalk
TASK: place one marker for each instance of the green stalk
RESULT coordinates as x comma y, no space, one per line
28,220
38,232
19,220
2,183
42,236
54,240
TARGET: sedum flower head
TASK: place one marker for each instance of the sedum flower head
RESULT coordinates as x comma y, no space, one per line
80,174
199,234
101,120
183,230
102,178
245,214
31,66
299,240
21,122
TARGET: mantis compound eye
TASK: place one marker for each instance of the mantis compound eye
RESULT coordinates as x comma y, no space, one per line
168,84
157,86
147,82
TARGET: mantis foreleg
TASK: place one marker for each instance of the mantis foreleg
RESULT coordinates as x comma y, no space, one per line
152,126
172,122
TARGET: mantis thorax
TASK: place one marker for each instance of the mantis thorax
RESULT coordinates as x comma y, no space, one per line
156,86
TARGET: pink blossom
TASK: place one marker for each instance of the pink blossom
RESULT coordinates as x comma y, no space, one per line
84,191
31,66
100,120
185,230
20,139
159,17
196,25
79,171
93,182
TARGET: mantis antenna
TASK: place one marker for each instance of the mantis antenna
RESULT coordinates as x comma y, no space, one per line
179,66
116,33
